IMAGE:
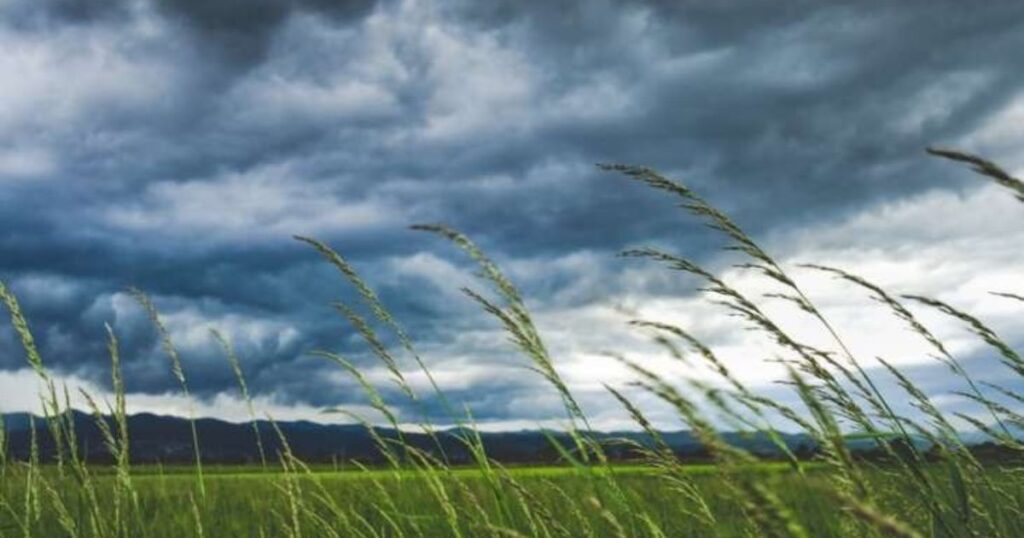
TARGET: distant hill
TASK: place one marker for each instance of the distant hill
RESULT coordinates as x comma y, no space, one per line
168,439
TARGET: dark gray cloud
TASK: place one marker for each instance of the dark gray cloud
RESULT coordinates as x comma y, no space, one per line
241,30
177,145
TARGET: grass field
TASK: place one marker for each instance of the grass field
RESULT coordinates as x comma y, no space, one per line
555,501
405,503
944,491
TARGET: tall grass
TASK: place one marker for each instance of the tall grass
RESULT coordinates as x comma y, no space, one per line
936,488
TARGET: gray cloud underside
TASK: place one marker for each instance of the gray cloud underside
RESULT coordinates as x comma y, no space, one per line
176,145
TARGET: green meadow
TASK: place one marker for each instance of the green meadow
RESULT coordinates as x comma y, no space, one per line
923,480
629,500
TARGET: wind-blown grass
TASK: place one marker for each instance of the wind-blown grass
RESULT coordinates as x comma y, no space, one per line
938,488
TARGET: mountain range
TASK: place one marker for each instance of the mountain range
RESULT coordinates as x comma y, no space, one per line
168,439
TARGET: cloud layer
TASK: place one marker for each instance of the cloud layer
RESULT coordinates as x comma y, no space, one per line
176,146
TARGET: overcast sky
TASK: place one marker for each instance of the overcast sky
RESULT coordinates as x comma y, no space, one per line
177,145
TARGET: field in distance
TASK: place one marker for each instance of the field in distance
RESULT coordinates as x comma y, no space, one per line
532,500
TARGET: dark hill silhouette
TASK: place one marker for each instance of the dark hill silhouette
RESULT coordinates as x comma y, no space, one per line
168,439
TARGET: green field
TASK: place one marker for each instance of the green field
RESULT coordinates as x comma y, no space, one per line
922,480
527,501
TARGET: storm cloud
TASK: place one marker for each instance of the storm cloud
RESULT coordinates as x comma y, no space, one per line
176,146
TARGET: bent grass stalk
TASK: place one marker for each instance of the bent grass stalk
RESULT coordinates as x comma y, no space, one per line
236,369
179,374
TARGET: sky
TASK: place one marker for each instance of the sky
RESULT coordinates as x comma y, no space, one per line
176,146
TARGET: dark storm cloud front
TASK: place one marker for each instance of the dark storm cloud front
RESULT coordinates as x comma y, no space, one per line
184,142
